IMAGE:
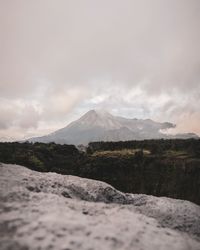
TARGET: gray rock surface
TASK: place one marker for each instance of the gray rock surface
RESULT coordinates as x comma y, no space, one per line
52,211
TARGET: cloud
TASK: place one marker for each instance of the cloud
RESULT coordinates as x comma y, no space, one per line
17,113
135,58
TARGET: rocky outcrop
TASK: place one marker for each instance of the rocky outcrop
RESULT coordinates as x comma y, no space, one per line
52,211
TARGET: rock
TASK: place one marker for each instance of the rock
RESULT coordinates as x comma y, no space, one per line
52,211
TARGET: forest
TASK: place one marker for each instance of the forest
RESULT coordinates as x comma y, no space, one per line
156,167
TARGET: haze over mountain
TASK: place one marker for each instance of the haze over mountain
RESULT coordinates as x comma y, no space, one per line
60,59
99,125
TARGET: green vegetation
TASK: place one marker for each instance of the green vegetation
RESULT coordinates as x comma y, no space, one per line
120,153
41,157
156,147
157,167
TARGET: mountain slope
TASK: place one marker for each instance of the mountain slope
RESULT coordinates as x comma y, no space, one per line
102,126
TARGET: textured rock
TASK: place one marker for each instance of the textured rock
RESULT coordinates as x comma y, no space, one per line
51,211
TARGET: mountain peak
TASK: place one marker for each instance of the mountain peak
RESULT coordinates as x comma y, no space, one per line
102,112
99,118
100,125
97,112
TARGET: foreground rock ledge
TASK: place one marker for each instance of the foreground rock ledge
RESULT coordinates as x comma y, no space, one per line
52,211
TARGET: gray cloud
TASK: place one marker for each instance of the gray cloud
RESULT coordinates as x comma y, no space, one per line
17,113
134,57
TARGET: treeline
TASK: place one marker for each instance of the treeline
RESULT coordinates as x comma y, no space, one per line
153,175
173,175
191,146
41,156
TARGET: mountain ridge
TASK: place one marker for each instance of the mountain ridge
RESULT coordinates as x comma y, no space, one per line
100,125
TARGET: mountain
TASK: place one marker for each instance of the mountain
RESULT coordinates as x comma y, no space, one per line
52,211
98,125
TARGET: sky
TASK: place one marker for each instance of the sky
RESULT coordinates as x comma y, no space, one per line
134,58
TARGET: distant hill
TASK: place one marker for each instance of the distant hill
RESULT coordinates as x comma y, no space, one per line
102,126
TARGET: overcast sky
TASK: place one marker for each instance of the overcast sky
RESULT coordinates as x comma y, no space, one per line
61,58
